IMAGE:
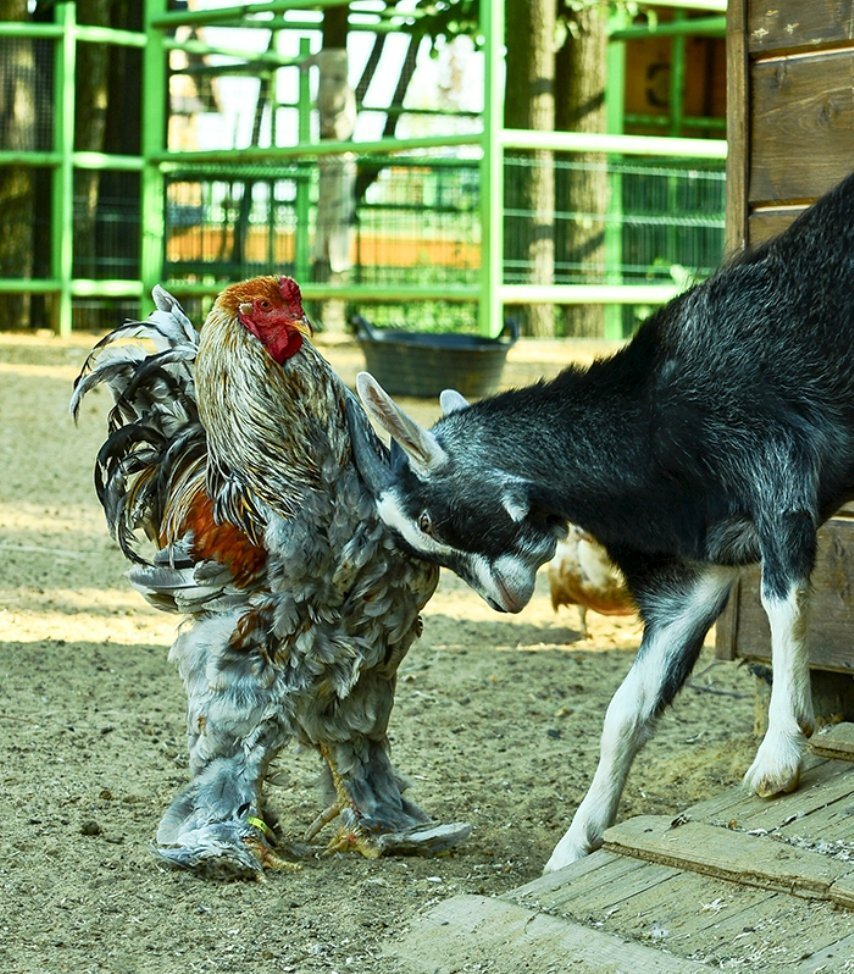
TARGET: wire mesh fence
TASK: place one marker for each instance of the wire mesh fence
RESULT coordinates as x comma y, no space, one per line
417,222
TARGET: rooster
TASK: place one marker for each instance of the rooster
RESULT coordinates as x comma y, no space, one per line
230,451
582,574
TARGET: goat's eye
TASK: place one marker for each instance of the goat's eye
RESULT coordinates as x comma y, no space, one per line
425,524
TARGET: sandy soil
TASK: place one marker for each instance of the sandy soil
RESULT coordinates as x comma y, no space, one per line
496,723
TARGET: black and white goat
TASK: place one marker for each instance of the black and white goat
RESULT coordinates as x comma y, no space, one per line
721,435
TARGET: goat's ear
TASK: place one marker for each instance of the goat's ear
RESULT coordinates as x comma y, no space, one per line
422,448
452,401
516,498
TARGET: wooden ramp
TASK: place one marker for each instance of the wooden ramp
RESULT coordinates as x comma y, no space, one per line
735,883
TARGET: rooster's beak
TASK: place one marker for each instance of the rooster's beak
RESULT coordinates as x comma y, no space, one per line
304,325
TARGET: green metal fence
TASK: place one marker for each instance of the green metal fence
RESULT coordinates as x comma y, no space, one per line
439,239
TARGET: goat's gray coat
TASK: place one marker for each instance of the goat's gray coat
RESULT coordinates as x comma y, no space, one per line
721,435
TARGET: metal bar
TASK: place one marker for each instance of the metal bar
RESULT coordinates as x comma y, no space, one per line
615,113
30,286
700,26
354,25
269,59
490,308
689,121
83,32
240,13
351,292
152,190
630,145
15,29
78,287
302,243
272,154
12,157
710,6
588,293
62,178
84,288
677,75
109,35
293,167
80,160
104,160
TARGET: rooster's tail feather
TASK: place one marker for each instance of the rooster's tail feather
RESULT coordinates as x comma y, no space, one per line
155,443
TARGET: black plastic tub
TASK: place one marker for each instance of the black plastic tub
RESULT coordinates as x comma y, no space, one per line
409,363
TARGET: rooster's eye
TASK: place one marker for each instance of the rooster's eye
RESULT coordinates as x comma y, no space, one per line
265,305
425,524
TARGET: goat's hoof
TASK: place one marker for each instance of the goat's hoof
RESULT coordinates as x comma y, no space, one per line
568,852
769,787
807,726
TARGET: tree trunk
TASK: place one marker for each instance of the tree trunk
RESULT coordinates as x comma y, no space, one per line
17,131
336,107
90,122
529,192
580,239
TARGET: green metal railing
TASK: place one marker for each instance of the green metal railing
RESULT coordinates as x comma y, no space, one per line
158,168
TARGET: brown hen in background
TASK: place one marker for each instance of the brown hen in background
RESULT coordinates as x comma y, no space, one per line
582,574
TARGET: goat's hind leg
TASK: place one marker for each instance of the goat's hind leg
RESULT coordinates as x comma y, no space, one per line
787,560
679,606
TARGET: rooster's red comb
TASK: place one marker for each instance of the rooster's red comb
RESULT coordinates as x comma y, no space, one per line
290,292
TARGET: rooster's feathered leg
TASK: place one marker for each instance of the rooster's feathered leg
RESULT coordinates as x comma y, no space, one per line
234,731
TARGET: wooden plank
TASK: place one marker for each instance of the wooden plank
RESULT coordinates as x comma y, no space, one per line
737,804
726,627
477,933
651,880
738,154
592,885
704,910
829,829
831,620
801,127
735,856
764,224
842,891
834,742
796,25
810,798
769,935
742,629
834,957
533,893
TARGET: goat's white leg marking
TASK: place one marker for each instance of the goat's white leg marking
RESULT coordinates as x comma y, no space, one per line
630,717
625,730
775,769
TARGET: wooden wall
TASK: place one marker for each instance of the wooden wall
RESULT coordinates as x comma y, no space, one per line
790,122
790,98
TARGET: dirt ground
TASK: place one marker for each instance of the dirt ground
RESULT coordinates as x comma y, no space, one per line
496,723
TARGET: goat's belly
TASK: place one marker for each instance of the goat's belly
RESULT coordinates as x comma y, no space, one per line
732,542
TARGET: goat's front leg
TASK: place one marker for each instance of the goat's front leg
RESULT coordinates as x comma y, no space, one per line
678,615
786,568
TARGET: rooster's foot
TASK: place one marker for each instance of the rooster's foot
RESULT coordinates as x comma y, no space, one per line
236,849
353,839
422,840
324,818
